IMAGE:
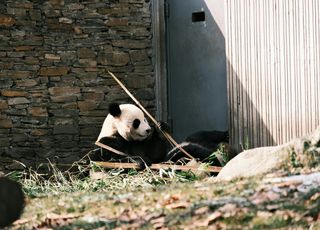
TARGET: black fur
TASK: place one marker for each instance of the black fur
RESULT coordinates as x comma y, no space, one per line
200,145
11,201
146,152
114,109
136,123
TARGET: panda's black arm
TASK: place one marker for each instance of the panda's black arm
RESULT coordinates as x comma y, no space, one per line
116,142
163,126
142,161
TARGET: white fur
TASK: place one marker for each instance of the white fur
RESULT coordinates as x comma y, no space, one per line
123,124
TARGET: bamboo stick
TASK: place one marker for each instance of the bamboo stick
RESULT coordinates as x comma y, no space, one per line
156,166
110,148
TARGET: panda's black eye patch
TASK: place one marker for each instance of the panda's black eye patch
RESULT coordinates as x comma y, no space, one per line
136,123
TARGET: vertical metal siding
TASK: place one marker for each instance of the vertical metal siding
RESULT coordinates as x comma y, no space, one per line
273,53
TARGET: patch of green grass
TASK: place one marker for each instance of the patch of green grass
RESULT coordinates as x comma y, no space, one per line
246,144
94,179
242,219
186,176
272,222
221,155
79,224
294,160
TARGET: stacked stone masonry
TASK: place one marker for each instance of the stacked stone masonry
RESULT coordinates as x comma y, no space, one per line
54,86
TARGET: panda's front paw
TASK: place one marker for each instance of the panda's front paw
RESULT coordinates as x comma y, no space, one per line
164,126
143,163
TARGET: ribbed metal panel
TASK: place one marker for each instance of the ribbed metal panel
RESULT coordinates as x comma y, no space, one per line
273,52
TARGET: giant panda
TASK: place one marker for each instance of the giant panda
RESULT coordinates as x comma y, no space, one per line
201,145
127,130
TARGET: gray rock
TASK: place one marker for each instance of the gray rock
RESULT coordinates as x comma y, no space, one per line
301,152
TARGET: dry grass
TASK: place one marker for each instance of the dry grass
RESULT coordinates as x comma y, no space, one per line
150,199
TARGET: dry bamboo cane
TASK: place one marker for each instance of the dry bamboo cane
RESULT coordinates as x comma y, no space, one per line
167,135
156,166
110,148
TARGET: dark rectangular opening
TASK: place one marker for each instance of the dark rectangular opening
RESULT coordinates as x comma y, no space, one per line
198,16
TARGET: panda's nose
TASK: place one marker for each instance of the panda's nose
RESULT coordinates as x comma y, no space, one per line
148,130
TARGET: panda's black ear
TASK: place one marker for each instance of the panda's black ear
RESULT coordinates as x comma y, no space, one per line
114,109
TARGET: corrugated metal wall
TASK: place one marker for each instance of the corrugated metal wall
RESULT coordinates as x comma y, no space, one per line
273,53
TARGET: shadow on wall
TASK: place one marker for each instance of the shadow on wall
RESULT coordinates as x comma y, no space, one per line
247,127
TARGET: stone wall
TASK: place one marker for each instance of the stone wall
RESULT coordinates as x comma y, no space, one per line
54,86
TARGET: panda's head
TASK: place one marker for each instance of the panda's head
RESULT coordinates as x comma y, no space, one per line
130,121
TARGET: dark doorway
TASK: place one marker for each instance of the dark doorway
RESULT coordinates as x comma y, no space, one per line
196,60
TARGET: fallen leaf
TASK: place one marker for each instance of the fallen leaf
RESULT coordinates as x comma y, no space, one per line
212,217
288,183
262,197
264,214
272,207
201,211
158,222
97,175
228,208
128,215
53,220
23,221
178,205
315,196
170,199
152,216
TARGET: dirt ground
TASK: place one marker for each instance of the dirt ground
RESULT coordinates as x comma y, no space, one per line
276,201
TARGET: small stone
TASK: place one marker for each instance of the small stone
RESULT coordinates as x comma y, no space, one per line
23,48
5,82
89,131
54,71
19,74
7,21
65,129
38,111
87,105
27,83
25,5
3,104
5,123
88,62
64,91
57,2
18,101
138,55
86,53
13,93
77,30
17,12
35,15
65,20
52,57
31,61
75,6
117,22
119,59
15,54
39,132
131,44
68,98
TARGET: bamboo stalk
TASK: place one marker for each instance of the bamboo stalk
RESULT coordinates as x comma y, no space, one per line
110,148
156,166
167,135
